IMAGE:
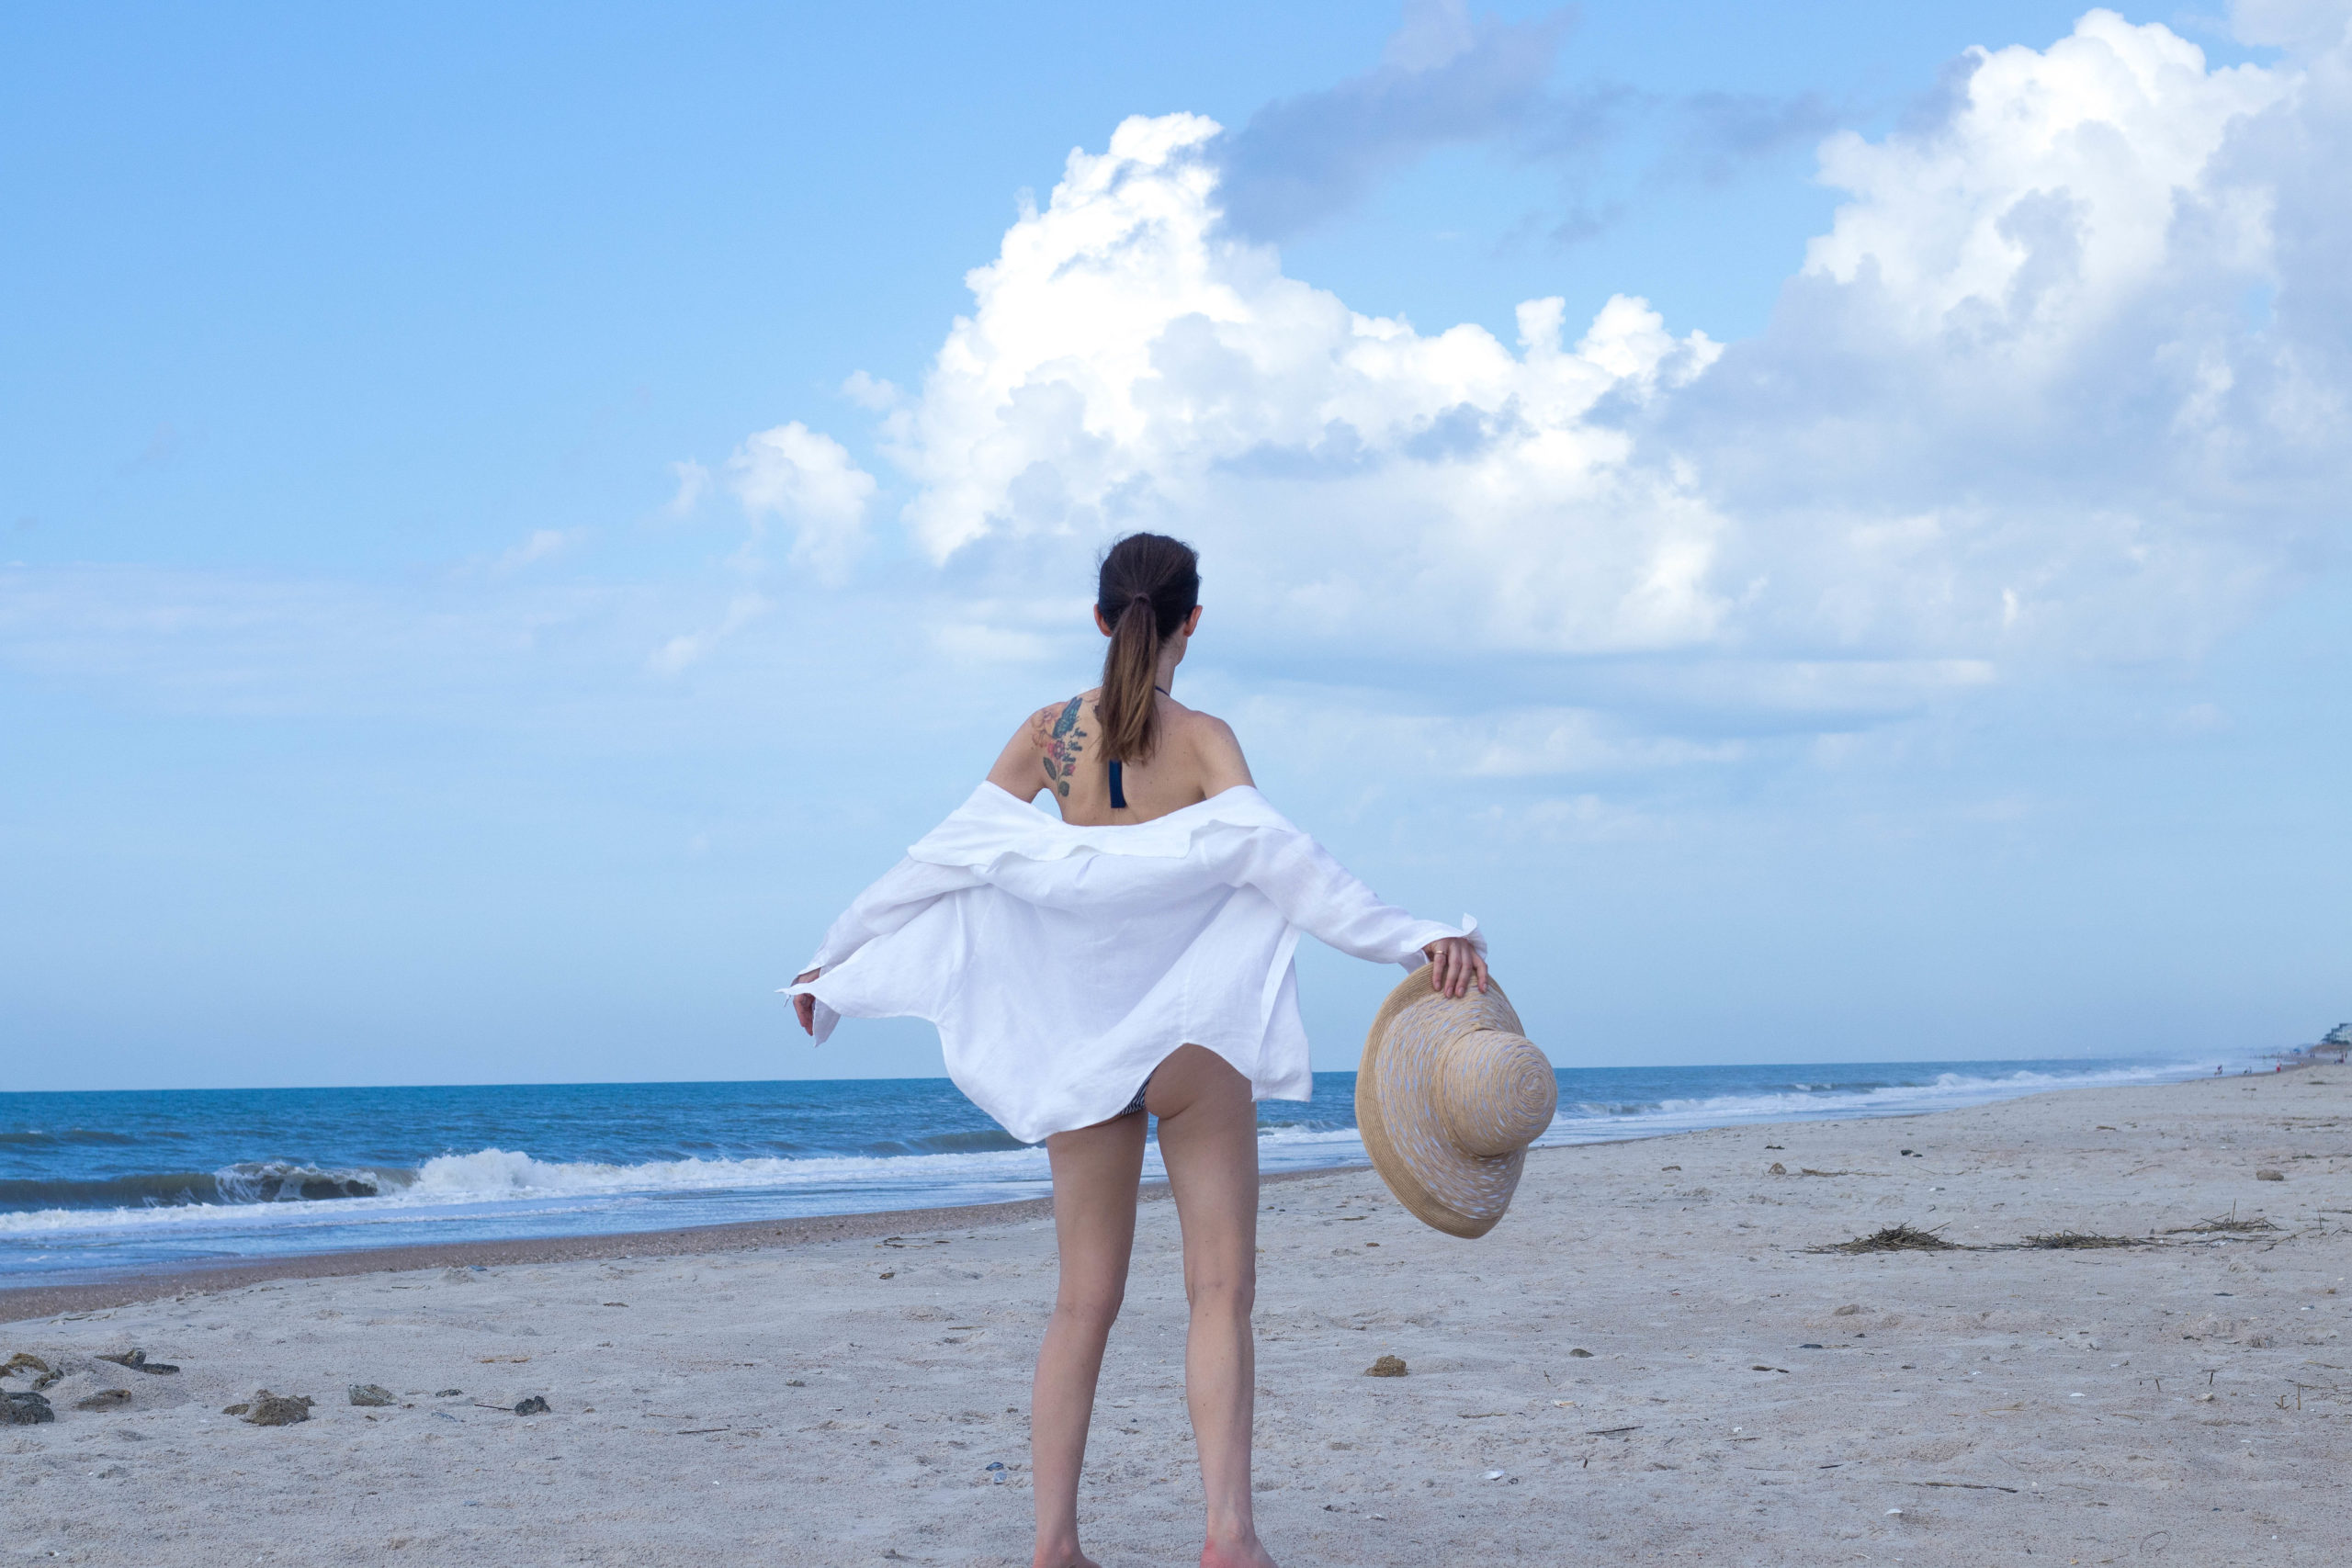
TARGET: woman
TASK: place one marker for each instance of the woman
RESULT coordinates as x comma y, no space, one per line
1134,958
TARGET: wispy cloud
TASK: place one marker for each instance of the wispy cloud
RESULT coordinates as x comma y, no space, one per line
542,544
688,649
1716,136
1443,80
693,484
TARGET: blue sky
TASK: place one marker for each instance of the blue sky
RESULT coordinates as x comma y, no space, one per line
505,525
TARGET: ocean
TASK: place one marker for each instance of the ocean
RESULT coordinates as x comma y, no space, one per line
98,1185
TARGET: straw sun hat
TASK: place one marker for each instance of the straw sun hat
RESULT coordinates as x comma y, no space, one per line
1448,1098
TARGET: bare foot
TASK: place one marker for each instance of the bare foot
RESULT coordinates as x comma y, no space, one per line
1243,1553
1071,1558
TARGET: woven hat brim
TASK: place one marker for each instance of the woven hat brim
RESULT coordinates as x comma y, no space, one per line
1442,1185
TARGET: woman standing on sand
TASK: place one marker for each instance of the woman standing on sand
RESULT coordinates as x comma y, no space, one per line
1134,958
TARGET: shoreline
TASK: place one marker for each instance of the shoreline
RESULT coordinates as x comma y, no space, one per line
26,1304
2083,1325
20,1303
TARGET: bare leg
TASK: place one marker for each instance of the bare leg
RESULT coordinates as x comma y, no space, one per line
1095,1172
1208,1136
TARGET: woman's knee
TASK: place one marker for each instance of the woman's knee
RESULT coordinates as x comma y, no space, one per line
1227,1290
1093,1309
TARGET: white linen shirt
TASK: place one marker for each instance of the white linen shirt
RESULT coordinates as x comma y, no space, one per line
1062,963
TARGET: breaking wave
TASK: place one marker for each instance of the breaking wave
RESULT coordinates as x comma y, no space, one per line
511,1191
1832,1101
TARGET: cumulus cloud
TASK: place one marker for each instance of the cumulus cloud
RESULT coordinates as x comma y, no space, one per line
1131,362
809,482
2055,194
2024,397
2062,381
2018,403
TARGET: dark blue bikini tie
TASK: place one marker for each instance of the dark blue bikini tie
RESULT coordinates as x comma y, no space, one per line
1118,783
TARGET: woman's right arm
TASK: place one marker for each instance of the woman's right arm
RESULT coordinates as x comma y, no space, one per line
1020,769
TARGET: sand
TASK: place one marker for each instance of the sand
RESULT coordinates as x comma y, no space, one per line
1743,1398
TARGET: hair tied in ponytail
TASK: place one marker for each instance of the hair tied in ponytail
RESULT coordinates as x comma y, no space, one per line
1162,576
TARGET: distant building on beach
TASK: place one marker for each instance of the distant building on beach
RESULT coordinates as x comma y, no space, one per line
2336,1042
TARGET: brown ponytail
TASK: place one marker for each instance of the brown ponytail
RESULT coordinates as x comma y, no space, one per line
1150,582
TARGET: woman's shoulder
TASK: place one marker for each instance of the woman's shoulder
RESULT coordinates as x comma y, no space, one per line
1212,746
1069,724
1196,723
1066,721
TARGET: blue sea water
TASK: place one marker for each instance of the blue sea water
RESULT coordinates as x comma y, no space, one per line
104,1184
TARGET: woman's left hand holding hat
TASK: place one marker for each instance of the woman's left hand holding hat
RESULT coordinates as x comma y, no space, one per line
1455,964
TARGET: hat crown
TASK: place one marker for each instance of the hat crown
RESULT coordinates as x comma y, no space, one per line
1448,1097
1496,1093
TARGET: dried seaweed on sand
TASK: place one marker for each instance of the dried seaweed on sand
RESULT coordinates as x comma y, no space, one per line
2075,1241
2231,1225
1904,1237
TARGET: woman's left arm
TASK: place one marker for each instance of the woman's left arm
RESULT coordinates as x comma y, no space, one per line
1318,894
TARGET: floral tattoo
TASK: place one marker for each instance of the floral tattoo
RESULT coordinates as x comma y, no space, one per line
1063,744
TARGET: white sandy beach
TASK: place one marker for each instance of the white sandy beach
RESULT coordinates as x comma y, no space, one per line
839,1402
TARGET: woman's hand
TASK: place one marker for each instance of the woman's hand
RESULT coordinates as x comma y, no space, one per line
1455,966
804,1006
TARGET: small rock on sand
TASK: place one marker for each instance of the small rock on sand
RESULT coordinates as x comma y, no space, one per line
534,1406
268,1409
32,1366
23,1410
138,1362
1778,1169
2270,1176
1849,1310
1581,1355
1387,1367
371,1394
105,1399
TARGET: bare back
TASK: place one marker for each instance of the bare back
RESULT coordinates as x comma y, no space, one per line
1056,751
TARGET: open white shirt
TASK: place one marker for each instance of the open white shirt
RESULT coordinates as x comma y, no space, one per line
1062,963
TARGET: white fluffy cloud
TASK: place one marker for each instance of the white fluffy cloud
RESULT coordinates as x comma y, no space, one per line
2054,197
809,482
2051,385
2037,391
1130,363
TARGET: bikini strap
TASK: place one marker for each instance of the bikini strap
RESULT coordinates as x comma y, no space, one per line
1118,781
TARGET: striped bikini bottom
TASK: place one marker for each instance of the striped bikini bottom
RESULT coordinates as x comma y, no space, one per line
1134,1106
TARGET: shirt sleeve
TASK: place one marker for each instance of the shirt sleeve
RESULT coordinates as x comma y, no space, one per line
900,895
1322,898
